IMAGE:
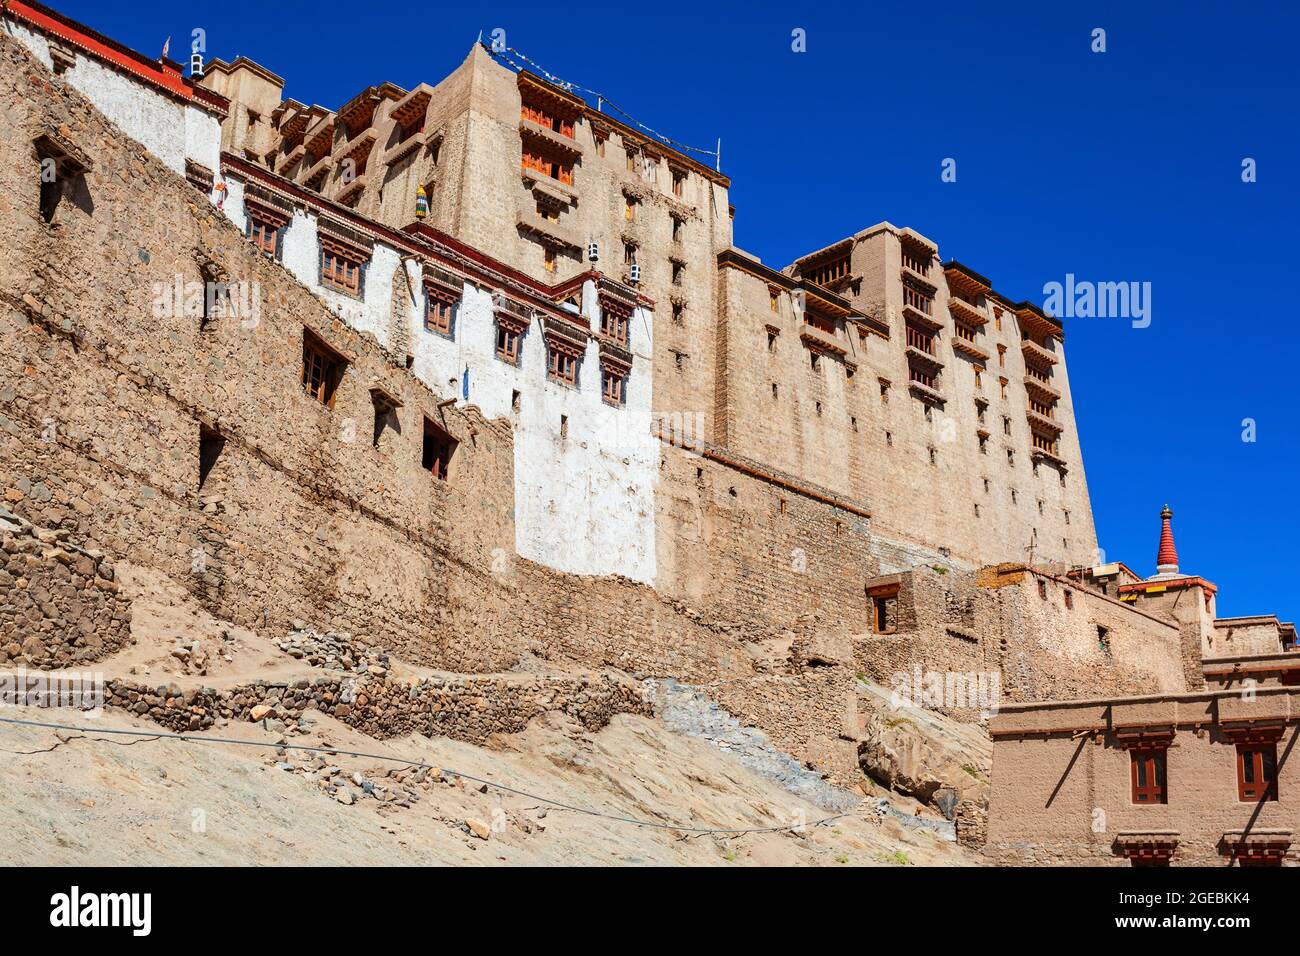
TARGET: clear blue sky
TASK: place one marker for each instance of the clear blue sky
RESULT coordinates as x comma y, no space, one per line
1115,166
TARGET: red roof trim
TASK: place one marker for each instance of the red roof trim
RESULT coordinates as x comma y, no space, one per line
1171,584
154,72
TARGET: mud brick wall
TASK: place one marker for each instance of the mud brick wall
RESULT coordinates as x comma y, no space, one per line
59,603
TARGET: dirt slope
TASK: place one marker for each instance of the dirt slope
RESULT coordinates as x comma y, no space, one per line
92,798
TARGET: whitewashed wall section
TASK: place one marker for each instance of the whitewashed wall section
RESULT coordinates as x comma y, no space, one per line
585,471
171,130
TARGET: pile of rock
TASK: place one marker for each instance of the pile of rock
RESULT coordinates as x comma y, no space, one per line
398,788
334,650
59,603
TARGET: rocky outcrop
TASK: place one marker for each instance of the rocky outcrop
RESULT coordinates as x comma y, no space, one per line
940,761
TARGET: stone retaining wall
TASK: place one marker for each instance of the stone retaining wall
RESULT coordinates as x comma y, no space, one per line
469,709
59,603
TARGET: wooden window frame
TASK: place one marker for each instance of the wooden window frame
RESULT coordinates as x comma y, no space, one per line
322,369
561,365
921,376
508,340
264,235
615,324
546,119
1258,762
1148,776
613,386
827,273
818,321
917,300
920,339
439,314
341,273
1043,442
437,449
880,598
561,172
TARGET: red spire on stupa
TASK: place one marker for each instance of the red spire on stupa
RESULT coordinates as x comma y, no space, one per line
1167,557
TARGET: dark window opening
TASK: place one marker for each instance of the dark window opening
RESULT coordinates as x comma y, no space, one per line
385,414
613,387
210,446
51,193
439,447
265,236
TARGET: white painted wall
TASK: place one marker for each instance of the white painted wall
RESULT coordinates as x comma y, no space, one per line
583,503
171,130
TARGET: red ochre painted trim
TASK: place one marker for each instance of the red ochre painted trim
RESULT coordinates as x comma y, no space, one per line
157,73
1171,584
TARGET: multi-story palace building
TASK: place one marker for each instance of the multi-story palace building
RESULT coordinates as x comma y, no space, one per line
871,368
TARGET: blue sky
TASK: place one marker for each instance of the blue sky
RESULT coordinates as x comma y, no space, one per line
1116,166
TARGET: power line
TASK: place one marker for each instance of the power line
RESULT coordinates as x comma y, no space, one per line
613,817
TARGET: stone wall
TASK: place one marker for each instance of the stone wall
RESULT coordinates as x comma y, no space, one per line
471,708
59,603
1016,623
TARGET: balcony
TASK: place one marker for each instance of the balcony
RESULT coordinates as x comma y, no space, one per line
1040,389
1043,423
963,311
967,347
353,190
922,358
402,147
357,148
317,170
286,160
1053,459
567,146
319,138
811,335
1035,354
548,189
411,108
926,393
549,232
913,314
920,279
